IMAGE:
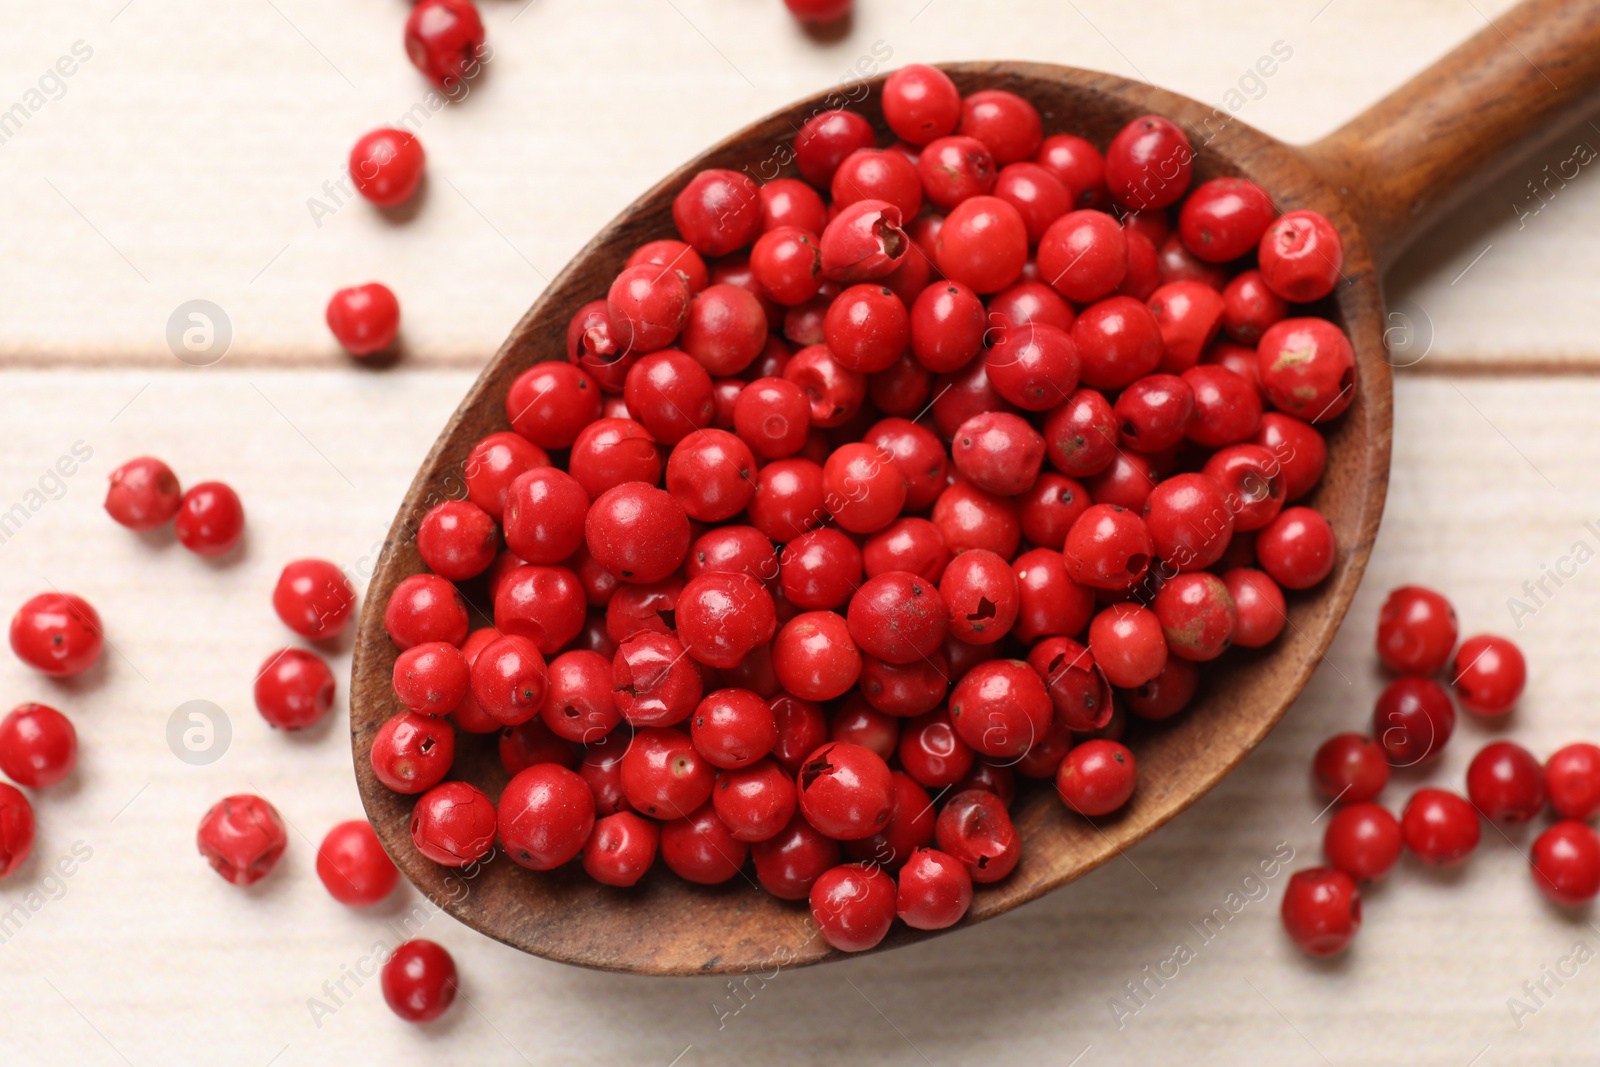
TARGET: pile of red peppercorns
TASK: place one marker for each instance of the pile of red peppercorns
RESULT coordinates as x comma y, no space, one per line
873,489
1412,722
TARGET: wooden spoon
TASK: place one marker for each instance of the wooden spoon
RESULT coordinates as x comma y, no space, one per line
1381,179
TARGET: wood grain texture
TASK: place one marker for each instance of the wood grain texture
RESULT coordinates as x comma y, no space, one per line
666,926
1422,150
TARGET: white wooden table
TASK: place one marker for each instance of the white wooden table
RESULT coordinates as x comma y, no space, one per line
176,163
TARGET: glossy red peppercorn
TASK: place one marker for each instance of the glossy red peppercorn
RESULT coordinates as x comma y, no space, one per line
1167,693
975,830
664,775
1079,166
791,202
1307,368
1190,522
1224,218
1572,775
983,244
883,176
920,103
1252,482
444,40
210,519
638,532
1197,616
457,540
494,463
412,753
733,728
353,866
57,633
425,607
790,862
755,802
1083,256
726,329
934,890
772,417
1489,674
431,678
1189,314
419,981
981,593
1119,342
1034,366
16,829
699,848
845,791
1301,256
1010,126
453,824
863,487
1566,864
242,837
1249,308
718,212
787,262
653,682
1350,768
867,327
826,140
1227,408
607,453
1001,708
1506,783
314,599
1416,630
550,403
544,604
1081,434
1363,840
621,849
853,905
947,326
1413,719
38,746
386,167
1321,910
1096,778
294,689
954,169
1440,827
143,494
1108,547
1297,548
898,617
545,815
579,704
1149,163
1127,642
1258,604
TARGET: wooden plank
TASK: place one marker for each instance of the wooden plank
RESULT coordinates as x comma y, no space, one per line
172,168
1492,486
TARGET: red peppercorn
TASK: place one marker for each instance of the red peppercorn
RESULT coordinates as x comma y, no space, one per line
1197,616
881,176
726,328
1010,126
920,103
1350,768
835,393
1489,674
1307,368
431,678
755,802
1249,308
733,728
544,604
419,979
1079,165
826,140
621,849
1227,408
1148,164
550,403
789,863
1259,605
983,244
1251,479
453,824
314,599
676,255
1363,841
1034,366
954,169
57,633
1081,433
494,463
210,519
457,540
699,848
845,791
1321,910
1190,525
1167,693
1572,775
718,212
425,607
1001,708
1301,256
1416,630
1108,547
1096,778
1566,864
444,39
1506,783
242,837
664,775
935,890
790,202
863,487
1189,314
1224,218
853,905
1084,256
981,593
898,617
386,167
1413,719
545,815
1119,342
38,746
1297,548
1440,827
143,494
412,753
975,830
16,829
294,689
353,866
1126,641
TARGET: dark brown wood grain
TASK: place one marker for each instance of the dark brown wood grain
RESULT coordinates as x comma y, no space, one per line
1406,161
665,926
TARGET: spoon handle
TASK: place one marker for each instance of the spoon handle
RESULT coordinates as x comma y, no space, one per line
1428,145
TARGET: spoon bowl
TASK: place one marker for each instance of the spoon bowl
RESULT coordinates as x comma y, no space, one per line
1379,180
